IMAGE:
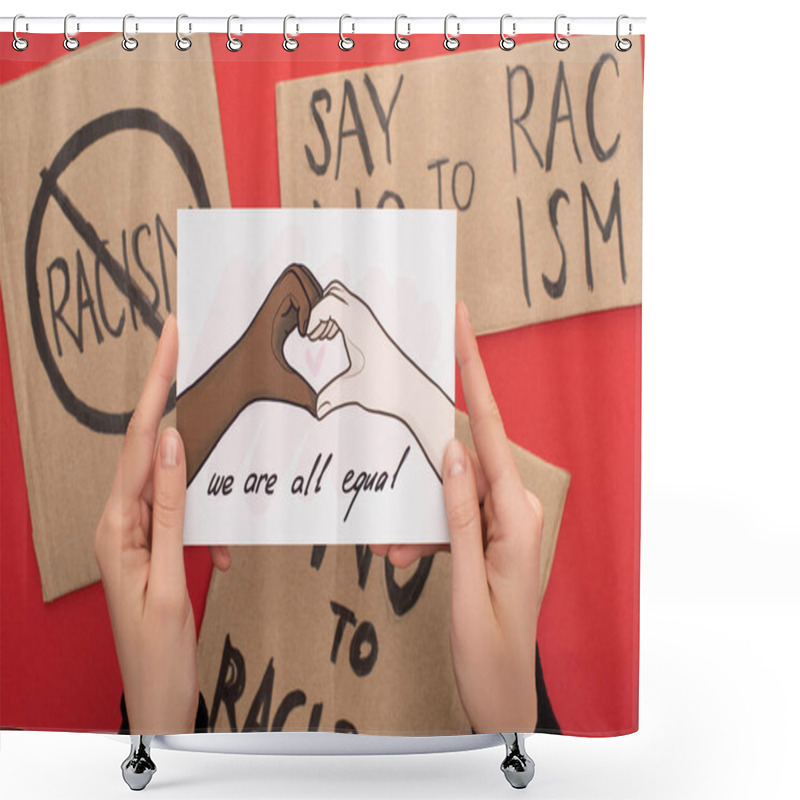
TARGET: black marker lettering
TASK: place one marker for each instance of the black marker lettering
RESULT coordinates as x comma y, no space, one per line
161,234
317,555
137,232
601,154
393,196
343,726
349,99
404,598
556,288
605,227
229,688
56,314
437,165
128,276
561,86
101,306
463,206
85,301
523,254
364,635
315,718
346,617
320,168
363,563
293,700
258,715
383,119
518,120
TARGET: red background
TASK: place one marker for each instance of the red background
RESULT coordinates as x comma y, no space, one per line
569,391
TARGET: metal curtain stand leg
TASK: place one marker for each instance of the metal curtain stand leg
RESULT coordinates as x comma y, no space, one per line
138,768
517,766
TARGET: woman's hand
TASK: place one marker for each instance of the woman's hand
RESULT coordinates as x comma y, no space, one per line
139,549
495,537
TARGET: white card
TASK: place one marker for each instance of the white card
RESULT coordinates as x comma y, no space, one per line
335,436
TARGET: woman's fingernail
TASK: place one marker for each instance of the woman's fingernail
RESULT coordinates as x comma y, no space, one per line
169,448
165,327
455,459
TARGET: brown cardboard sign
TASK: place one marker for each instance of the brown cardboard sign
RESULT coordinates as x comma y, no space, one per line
540,151
330,638
100,149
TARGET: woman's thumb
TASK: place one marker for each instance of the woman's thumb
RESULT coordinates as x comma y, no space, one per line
167,571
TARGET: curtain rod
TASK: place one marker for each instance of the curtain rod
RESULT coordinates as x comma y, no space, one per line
407,26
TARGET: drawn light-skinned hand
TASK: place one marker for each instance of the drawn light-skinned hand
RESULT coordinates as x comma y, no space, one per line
138,545
495,539
380,378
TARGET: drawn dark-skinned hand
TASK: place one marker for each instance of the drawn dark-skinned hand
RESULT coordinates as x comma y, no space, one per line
286,307
138,545
253,369
380,377
495,538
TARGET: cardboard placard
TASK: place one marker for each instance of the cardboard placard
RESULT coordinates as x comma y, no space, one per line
333,639
540,151
100,148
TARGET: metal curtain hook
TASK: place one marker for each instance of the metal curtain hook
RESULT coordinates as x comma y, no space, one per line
401,42
129,43
233,44
290,44
70,42
623,45
560,43
182,42
451,42
345,42
506,42
18,43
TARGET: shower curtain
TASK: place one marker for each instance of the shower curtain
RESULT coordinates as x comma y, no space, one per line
510,179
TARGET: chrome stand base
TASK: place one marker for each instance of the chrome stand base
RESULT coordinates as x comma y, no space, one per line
517,766
138,768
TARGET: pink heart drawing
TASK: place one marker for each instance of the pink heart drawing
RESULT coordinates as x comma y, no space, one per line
314,362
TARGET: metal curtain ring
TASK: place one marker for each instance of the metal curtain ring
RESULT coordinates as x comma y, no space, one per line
451,42
401,42
560,43
129,43
623,45
345,42
233,44
182,42
18,43
290,44
70,42
506,42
